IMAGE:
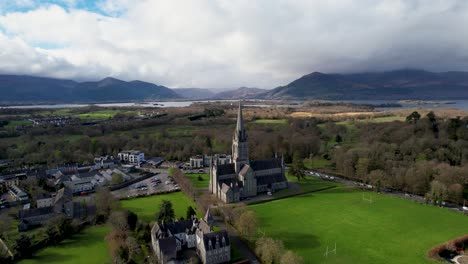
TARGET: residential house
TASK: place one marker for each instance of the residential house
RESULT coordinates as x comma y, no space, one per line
18,193
62,205
105,162
131,156
44,200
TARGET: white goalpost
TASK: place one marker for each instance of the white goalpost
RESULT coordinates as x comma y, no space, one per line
367,199
329,252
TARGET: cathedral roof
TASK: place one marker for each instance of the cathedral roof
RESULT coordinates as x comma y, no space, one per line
224,169
270,179
265,164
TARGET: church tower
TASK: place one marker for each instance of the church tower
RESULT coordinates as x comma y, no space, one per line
240,146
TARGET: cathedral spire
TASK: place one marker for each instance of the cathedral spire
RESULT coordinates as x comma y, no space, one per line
240,120
240,133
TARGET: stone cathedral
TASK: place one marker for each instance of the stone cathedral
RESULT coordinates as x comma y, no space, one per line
244,178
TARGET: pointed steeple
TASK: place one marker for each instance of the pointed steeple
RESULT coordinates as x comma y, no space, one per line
240,119
239,133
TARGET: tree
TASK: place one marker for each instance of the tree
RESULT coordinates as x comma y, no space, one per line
247,224
166,212
290,257
297,168
23,245
6,222
338,138
413,117
269,250
105,204
119,220
132,220
117,178
190,212
438,192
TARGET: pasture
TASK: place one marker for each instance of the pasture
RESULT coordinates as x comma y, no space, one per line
87,247
386,230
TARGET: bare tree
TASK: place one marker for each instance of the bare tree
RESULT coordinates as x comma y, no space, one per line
269,250
290,257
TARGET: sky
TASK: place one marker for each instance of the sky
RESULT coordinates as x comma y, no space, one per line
229,43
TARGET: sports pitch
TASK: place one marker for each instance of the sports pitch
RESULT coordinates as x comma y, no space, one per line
386,230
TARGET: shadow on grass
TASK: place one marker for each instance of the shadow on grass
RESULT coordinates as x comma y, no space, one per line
298,240
51,258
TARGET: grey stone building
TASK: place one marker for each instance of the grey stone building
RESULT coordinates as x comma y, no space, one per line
169,240
62,205
243,177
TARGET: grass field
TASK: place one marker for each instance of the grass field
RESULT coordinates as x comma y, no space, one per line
15,123
388,230
271,121
316,163
196,182
146,207
88,247
101,114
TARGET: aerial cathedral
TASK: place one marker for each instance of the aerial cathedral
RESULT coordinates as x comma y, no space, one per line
244,178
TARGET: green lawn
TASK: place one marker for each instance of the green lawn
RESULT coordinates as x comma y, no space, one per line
146,207
87,247
101,114
271,121
388,230
316,163
15,123
196,182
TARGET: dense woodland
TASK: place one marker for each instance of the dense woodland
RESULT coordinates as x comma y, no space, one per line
426,155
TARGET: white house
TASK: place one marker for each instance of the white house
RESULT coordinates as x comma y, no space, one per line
132,156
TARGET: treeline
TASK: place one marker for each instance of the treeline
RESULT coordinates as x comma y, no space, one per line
424,155
174,137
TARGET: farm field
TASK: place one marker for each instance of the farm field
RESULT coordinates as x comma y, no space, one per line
271,121
87,247
196,182
386,230
146,207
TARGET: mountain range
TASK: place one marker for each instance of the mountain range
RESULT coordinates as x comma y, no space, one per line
29,89
399,84
391,85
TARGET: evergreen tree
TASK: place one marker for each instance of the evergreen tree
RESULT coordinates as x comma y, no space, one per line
166,212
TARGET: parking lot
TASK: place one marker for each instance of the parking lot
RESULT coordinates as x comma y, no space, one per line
161,182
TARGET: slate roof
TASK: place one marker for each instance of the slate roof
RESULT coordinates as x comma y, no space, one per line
224,169
216,235
270,179
175,228
168,245
64,194
42,196
22,214
265,164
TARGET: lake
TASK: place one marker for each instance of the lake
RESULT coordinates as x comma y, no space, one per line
457,104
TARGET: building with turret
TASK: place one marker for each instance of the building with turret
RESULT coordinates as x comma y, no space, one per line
243,177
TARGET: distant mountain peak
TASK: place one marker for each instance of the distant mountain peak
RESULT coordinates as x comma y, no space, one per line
390,85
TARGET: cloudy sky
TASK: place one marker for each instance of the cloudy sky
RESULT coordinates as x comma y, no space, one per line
229,43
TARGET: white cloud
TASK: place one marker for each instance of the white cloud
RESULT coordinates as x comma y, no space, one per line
234,43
